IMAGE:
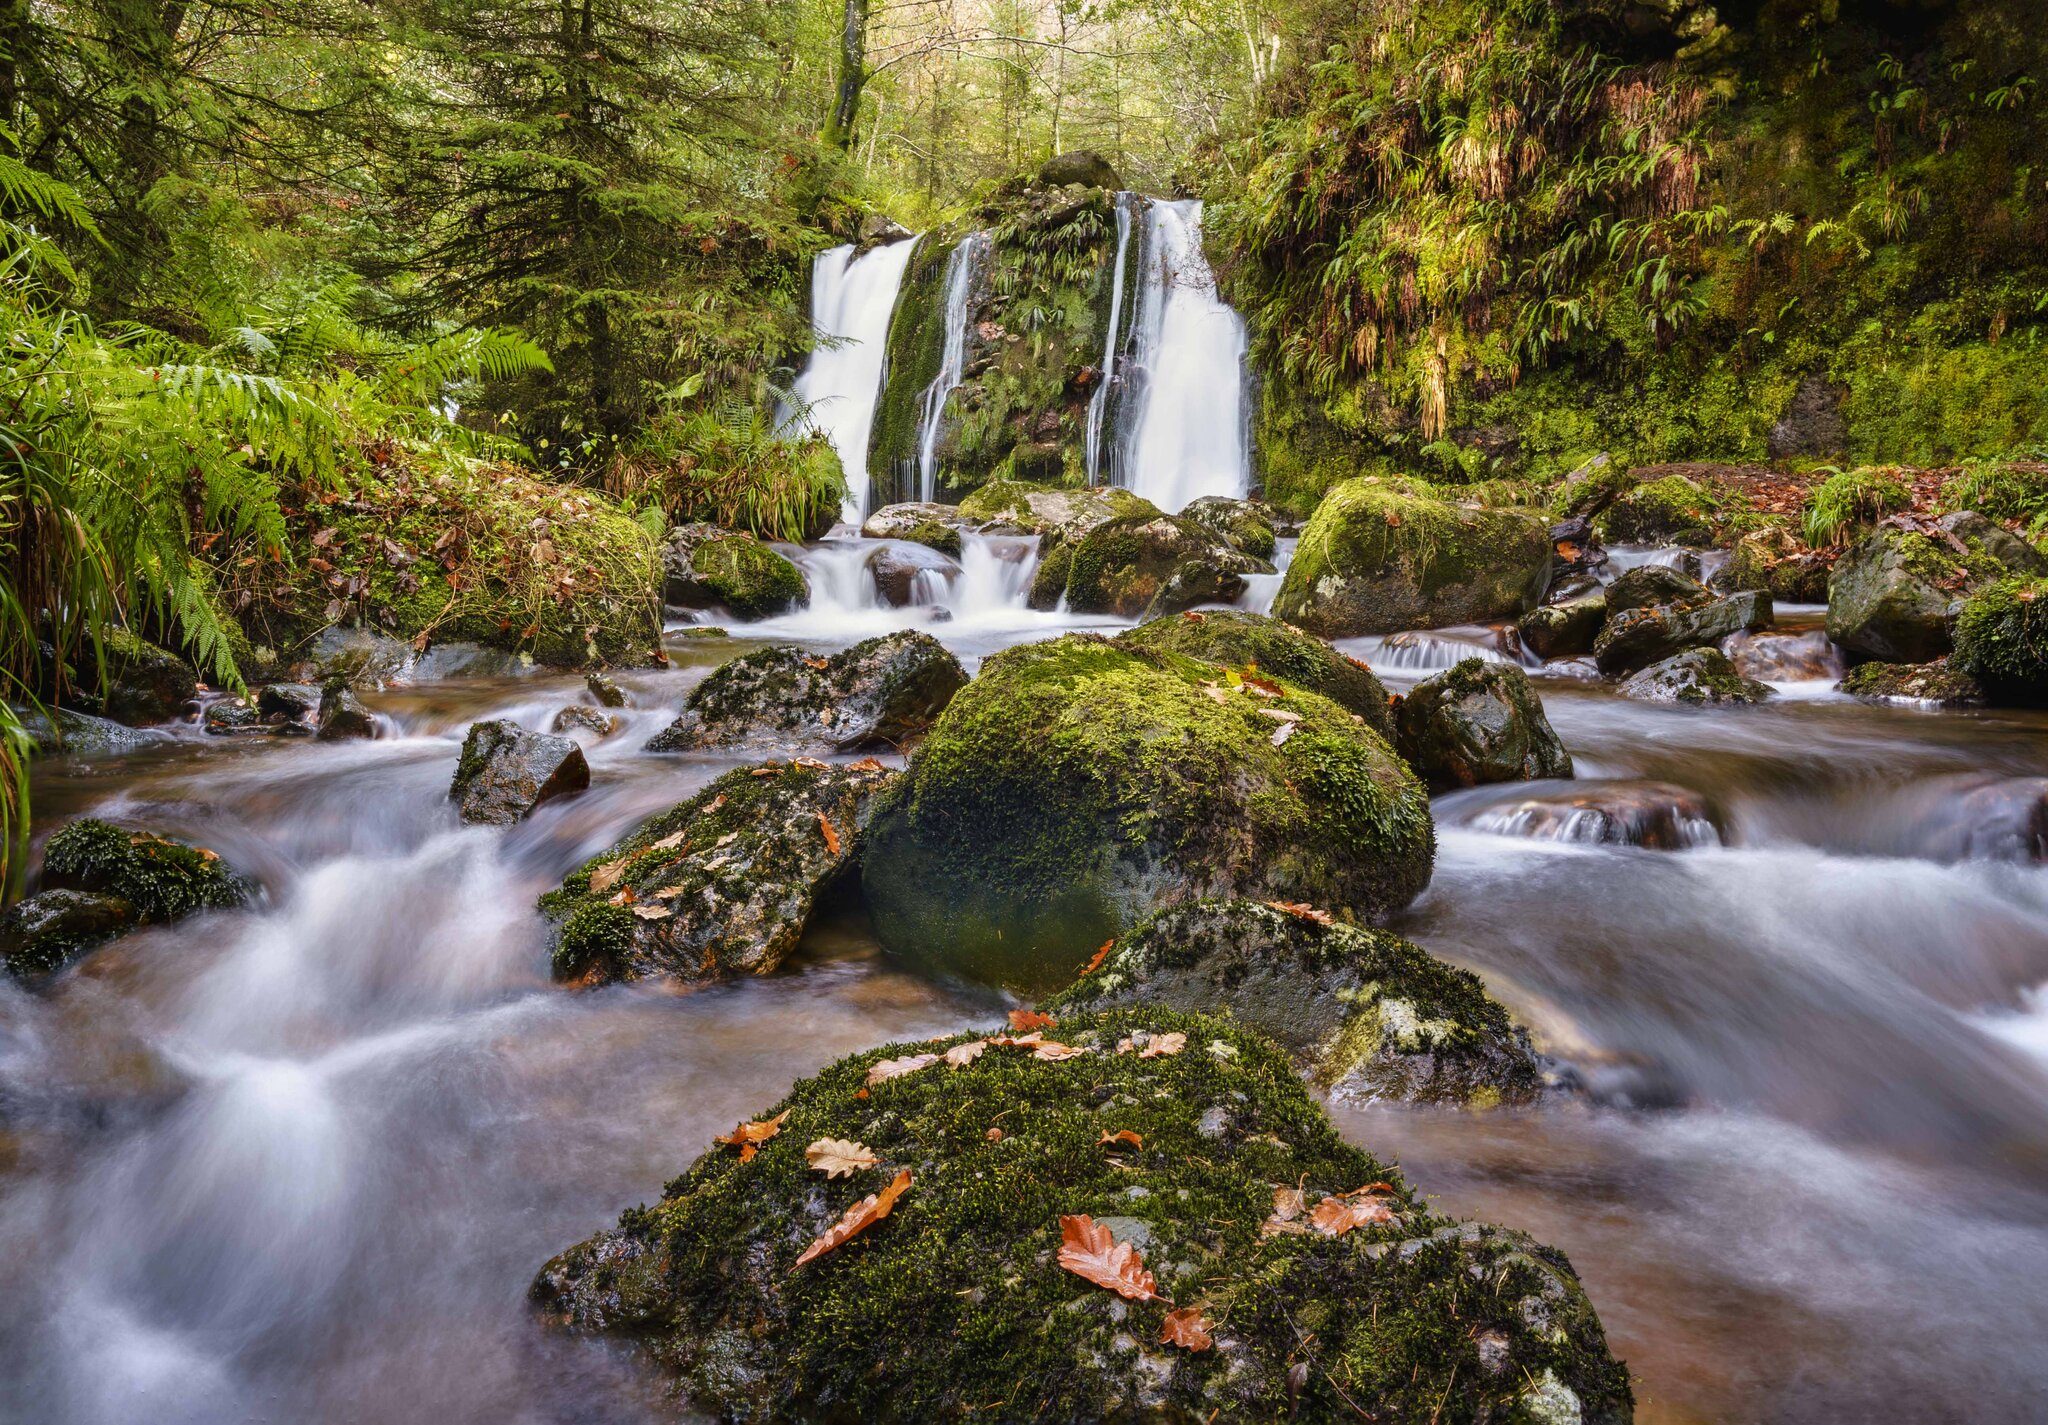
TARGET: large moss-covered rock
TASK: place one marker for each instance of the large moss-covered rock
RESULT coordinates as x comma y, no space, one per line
146,684
955,1307
933,525
1648,585
79,734
881,692
1668,510
1377,560
1894,595
1937,684
2002,641
705,567
1063,515
1699,677
1639,637
1240,523
1361,1012
1142,566
1478,722
1778,562
505,771
1077,785
1253,643
721,885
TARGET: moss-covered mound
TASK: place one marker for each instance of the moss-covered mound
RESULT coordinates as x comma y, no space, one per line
1361,1011
1894,595
1938,683
145,684
706,567
720,885
485,554
1077,785
1776,561
2002,641
1253,643
1059,514
41,934
1669,510
1143,566
955,1305
1375,559
1478,722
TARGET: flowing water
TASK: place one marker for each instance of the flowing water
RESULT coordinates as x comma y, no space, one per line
852,299
299,1162
961,266
1183,410
1098,404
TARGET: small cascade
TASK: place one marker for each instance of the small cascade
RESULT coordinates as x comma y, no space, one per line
960,268
986,589
1421,652
1098,404
852,299
1184,398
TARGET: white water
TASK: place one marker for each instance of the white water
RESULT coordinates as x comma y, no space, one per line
1187,421
852,299
960,267
1099,402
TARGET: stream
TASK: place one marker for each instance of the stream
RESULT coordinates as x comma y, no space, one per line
300,1161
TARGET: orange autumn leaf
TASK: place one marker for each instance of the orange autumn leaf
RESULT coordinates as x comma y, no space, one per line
1024,1019
1122,1135
830,833
1040,1046
1341,1212
819,663
1188,1329
748,1135
961,1055
1100,955
1089,1251
809,764
861,1216
839,1157
897,1068
994,1135
1164,1044
866,764
1303,911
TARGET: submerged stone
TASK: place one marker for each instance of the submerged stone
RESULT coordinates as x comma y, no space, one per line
506,771
342,714
897,568
289,707
705,566
1247,642
1142,566
1361,1012
66,730
1077,785
1477,722
1654,816
882,692
721,885
955,1305
596,721
607,691
1938,684
1697,677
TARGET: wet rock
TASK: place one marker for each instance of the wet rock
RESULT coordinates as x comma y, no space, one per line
1359,1011
2002,641
1077,785
1061,515
607,692
706,1279
1376,560
343,717
1648,585
368,659
721,885
47,931
883,692
1779,563
1082,166
1813,425
233,717
1478,722
1670,510
146,685
1241,524
592,720
506,771
1894,595
1697,677
1246,642
1653,816
1574,548
705,567
897,569
935,526
1639,637
1936,684
289,707
1142,566
1563,630
78,734
1785,657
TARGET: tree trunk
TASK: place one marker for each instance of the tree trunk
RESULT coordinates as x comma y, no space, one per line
853,75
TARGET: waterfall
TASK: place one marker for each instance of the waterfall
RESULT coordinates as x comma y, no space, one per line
852,299
1184,402
1099,402
952,362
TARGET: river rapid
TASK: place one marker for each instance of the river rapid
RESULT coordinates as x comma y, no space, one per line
300,1162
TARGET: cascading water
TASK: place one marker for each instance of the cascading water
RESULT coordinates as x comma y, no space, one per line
1184,402
960,269
1098,404
852,299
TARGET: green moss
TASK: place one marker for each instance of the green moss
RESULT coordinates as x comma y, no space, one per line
2001,640
1252,643
917,341
1848,502
162,879
1673,509
748,577
1937,683
955,1306
593,933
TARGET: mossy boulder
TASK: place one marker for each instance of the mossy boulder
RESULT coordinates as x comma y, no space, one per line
1082,166
1241,524
1648,585
1063,515
99,880
505,771
708,567
1563,630
955,1305
43,933
79,734
721,885
932,525
1478,722
2002,641
1077,785
1362,1012
1638,637
1142,566
1377,560
1668,510
1699,677
1778,562
1895,594
882,692
1253,643
1939,684
146,685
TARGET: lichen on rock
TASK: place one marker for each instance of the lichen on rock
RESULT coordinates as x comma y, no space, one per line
1698,677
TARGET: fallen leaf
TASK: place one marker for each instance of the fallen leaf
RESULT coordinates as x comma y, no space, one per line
1023,1019
897,1068
839,1157
866,764
1100,955
1265,686
1040,1046
667,893
1280,714
809,764
820,663
1186,1328
1192,617
830,833
716,802
769,771
1122,1135
825,715
1281,733
1303,911
1125,1046
1215,692
652,912
994,1135
607,875
1089,1251
1287,1212
1341,1212
1164,1044
861,1216
671,841
961,1055
748,1136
